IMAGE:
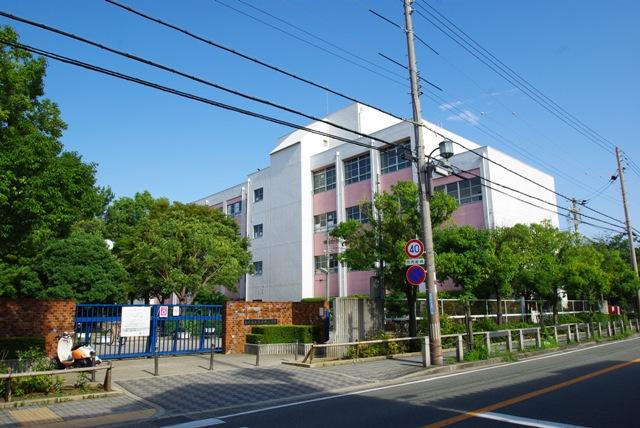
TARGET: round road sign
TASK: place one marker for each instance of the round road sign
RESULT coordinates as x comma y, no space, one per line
414,248
416,275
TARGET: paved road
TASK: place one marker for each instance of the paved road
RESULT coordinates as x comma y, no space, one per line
595,387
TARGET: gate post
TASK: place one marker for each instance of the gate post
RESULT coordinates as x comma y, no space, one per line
151,345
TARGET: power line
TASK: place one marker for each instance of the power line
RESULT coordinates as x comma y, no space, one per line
415,36
532,197
292,75
252,59
188,76
513,72
183,94
315,45
315,36
187,95
496,68
405,67
525,177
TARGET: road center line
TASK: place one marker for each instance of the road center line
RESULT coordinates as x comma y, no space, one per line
479,412
528,422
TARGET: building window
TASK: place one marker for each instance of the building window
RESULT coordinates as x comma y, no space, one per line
324,180
258,268
258,194
357,169
257,230
324,221
234,209
358,213
393,158
464,191
321,263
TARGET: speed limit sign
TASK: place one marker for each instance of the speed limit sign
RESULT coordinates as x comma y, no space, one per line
414,248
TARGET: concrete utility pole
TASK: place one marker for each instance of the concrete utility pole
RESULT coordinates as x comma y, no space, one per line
627,219
574,215
432,290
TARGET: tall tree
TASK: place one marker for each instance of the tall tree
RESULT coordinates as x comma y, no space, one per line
507,258
185,249
82,268
43,189
379,244
465,255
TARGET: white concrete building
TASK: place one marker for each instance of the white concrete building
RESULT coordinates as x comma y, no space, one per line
314,182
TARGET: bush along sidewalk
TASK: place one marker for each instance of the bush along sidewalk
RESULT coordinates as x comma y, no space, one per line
269,334
37,386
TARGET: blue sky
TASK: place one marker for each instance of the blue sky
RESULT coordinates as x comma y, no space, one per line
582,54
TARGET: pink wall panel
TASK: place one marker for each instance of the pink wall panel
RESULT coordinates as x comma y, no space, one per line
319,246
358,282
354,193
234,200
470,214
324,202
319,285
391,178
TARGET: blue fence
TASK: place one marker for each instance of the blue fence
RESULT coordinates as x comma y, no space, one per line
173,329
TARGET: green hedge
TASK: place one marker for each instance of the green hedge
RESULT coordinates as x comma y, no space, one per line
12,345
284,334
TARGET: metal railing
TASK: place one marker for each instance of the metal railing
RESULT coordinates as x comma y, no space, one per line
358,349
511,308
492,340
8,377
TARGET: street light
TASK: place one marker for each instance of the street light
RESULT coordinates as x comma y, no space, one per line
446,151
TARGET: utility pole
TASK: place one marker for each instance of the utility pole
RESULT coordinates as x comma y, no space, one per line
575,220
627,219
327,252
432,290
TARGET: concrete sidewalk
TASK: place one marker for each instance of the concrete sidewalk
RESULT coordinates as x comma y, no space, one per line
186,387
141,368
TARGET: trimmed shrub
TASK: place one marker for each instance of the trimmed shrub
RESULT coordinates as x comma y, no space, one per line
312,299
284,334
14,345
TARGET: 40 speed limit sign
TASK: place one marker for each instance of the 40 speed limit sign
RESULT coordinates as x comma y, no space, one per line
414,248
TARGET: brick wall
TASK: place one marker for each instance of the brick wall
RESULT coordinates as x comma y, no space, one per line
235,312
37,318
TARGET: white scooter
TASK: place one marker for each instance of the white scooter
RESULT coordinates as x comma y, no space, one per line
75,356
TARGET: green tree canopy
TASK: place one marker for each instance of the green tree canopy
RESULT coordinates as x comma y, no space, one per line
184,249
79,267
43,189
379,245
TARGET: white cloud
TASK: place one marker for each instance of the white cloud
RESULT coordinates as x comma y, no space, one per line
466,116
449,106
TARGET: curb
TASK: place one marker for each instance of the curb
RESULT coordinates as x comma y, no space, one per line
57,400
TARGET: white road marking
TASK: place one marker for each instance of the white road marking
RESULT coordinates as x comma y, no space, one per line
382,388
199,424
518,420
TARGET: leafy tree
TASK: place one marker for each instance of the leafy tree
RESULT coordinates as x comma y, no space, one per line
507,258
184,249
43,189
582,274
379,245
623,282
79,267
465,255
541,245
124,214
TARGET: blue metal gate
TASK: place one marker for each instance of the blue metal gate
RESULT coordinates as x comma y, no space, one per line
174,329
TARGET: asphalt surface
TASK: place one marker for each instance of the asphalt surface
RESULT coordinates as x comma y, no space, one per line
596,387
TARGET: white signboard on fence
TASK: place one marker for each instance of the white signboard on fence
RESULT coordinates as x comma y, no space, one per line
136,321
